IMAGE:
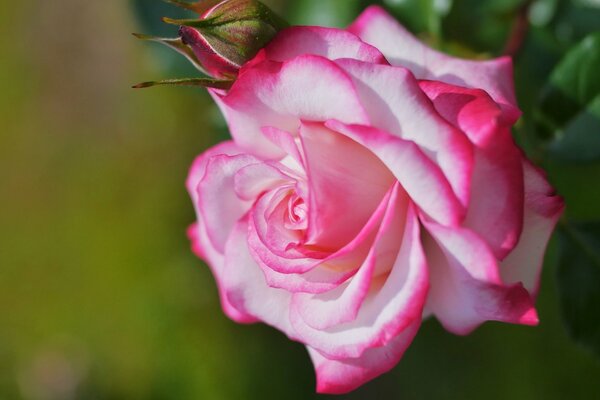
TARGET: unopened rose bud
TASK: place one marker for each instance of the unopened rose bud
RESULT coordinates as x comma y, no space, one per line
228,34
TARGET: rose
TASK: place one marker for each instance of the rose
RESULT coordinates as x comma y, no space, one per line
371,182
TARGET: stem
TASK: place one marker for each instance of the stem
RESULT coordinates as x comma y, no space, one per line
519,30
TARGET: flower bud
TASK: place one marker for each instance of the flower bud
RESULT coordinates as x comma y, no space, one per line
228,34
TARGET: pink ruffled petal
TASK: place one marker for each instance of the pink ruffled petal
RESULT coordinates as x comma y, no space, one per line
471,110
346,182
201,244
339,376
245,287
330,43
466,288
268,216
255,179
396,104
215,260
376,27
419,176
495,211
198,168
342,304
275,94
543,208
394,303
312,275
218,205
286,142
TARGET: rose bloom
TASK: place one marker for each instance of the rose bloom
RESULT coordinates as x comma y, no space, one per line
371,182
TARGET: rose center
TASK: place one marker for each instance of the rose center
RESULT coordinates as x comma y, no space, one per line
297,212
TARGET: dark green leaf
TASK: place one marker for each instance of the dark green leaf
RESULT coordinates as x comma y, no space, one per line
333,13
483,26
569,108
580,141
579,282
421,15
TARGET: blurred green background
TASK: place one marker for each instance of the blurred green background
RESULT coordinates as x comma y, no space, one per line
100,296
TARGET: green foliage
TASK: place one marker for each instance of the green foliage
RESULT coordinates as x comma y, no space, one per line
570,104
579,282
334,13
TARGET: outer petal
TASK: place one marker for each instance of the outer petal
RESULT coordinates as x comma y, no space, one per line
495,211
198,168
202,248
275,94
330,43
344,375
218,204
245,286
419,176
378,28
543,208
387,311
201,244
346,181
396,104
466,288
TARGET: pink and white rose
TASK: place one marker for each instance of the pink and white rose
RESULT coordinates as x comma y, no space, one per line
371,182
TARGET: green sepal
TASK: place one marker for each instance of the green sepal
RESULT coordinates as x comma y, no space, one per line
201,82
177,45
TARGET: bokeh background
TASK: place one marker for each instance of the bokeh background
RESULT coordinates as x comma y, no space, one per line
100,296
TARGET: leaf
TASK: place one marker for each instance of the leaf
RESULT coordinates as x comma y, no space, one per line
202,82
332,13
569,108
580,141
579,282
421,15
482,26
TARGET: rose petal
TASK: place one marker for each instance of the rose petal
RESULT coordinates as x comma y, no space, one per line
338,376
543,208
245,286
202,248
286,142
495,211
311,275
198,168
253,180
419,176
342,304
218,205
330,43
346,182
466,288
396,104
201,244
386,312
376,27
274,94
